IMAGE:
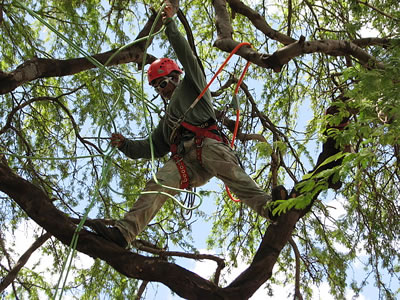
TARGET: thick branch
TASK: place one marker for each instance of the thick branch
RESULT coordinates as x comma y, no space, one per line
279,233
292,50
273,242
374,41
224,27
185,283
329,47
43,68
259,22
39,207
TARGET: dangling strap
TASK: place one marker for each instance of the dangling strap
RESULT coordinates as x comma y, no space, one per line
178,159
198,140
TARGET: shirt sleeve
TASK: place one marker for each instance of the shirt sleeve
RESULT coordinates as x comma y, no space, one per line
141,148
185,55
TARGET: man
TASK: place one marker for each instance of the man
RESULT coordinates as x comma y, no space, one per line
198,151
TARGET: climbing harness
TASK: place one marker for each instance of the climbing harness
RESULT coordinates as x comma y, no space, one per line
201,132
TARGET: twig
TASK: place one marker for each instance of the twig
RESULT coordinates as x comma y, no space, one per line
189,35
290,10
377,10
297,294
141,290
145,246
22,261
162,252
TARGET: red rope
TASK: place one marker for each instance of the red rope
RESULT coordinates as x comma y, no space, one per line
236,125
235,93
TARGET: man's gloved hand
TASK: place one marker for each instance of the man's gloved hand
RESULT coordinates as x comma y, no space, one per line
168,11
117,140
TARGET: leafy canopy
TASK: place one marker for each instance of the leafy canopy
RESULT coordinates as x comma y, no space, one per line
60,117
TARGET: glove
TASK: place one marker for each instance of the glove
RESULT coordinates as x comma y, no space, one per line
117,140
168,12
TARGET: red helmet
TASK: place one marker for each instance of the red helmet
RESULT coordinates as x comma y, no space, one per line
161,67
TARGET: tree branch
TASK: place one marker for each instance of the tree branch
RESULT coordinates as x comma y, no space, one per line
292,49
43,68
141,290
297,293
185,283
55,100
377,10
40,209
22,261
259,22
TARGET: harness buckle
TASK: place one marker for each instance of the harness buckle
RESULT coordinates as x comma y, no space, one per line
199,140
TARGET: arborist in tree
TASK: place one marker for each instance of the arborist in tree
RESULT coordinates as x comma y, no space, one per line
198,149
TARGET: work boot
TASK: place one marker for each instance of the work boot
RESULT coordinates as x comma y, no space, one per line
112,234
279,193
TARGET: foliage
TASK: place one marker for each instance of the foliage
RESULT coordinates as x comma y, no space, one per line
59,117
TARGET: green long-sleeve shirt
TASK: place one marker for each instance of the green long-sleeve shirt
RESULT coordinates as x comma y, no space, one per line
184,94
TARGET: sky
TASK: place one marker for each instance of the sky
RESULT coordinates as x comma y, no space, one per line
203,268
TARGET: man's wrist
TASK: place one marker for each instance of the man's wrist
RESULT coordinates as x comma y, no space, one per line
122,144
167,20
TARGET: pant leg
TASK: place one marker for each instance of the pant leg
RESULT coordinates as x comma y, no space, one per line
147,205
220,161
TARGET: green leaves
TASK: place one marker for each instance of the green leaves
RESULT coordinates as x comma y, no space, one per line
63,117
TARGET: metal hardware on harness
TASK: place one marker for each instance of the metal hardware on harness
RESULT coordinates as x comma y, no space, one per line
199,145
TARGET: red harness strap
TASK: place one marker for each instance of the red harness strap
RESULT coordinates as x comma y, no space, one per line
201,133
178,159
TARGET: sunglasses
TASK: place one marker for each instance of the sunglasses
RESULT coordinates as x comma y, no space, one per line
162,84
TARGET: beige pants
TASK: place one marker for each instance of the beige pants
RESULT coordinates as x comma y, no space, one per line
218,160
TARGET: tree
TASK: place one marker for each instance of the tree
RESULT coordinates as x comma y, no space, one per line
306,56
